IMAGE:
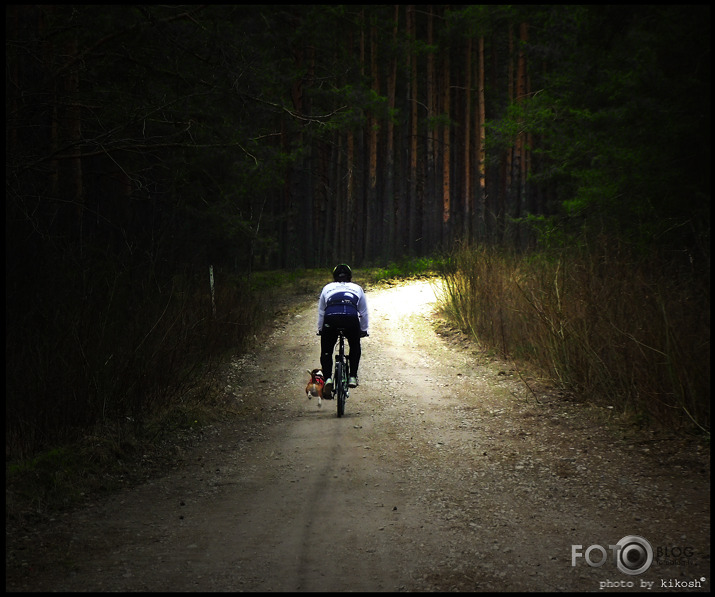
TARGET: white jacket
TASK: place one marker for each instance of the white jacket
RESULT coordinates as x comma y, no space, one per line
335,287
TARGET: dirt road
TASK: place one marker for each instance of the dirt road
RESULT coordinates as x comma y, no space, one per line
445,474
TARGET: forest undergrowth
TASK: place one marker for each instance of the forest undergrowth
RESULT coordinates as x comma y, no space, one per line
601,324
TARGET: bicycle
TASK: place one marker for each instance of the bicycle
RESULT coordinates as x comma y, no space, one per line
342,371
341,379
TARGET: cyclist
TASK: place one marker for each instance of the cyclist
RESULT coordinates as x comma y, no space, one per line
342,304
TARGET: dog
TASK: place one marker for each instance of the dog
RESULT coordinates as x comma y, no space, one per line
315,385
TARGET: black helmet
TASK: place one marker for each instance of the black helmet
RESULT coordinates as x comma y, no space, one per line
342,273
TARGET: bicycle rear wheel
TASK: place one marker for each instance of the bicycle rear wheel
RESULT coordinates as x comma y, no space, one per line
341,386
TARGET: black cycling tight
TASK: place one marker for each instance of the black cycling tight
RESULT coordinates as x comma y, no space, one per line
328,337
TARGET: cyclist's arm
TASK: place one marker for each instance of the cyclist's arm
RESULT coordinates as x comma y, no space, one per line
321,310
362,309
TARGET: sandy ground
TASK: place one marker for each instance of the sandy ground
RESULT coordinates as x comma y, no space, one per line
445,474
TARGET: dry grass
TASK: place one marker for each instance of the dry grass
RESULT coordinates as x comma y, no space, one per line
629,333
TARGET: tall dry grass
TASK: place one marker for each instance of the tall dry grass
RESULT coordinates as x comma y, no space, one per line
634,334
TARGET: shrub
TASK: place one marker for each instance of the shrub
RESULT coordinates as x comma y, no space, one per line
630,332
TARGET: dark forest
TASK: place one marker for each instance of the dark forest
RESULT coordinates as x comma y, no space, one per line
147,143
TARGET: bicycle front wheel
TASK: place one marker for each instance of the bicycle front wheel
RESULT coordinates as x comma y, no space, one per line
341,386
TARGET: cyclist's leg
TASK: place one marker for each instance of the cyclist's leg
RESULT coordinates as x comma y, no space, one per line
328,337
353,337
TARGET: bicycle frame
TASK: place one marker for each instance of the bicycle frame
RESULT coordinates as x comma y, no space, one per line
341,374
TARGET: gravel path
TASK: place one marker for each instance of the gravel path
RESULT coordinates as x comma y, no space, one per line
445,474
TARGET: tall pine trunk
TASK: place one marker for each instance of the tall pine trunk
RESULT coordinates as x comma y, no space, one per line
524,140
467,141
480,223
412,97
446,152
430,222
390,232
372,234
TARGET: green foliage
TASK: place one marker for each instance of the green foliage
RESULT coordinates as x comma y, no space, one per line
46,481
552,232
107,457
621,120
354,102
438,121
310,281
405,268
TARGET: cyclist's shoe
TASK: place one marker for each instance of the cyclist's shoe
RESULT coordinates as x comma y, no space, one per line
328,389
353,382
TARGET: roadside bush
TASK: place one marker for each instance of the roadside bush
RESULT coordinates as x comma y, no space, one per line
628,332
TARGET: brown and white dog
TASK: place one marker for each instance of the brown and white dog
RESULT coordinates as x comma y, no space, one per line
315,385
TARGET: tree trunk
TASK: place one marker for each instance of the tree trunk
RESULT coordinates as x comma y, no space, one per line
523,141
360,182
350,192
512,158
412,96
371,222
480,224
429,225
390,233
67,134
467,141
446,152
